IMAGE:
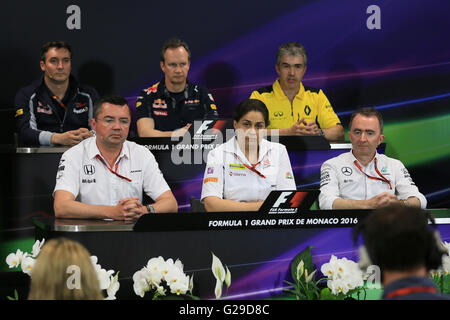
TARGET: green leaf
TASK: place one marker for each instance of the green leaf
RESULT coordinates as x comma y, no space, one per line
326,294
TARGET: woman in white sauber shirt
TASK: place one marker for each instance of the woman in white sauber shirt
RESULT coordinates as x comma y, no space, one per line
240,173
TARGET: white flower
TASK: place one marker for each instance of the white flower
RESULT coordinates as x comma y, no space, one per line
337,286
329,269
218,289
113,288
228,278
105,278
27,264
14,259
300,269
37,248
219,273
343,275
308,278
217,268
140,283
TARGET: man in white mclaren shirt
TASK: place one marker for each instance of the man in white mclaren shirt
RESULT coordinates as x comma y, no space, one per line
362,178
105,176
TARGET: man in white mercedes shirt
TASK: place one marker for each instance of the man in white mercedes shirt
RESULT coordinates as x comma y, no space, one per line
362,178
105,176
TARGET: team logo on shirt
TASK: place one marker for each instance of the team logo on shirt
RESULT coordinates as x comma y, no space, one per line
210,179
19,112
196,101
289,175
153,88
160,113
210,170
347,171
89,169
159,104
41,108
237,166
80,110
237,174
278,114
307,110
61,168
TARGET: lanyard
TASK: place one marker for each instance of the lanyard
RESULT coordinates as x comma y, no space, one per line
115,168
382,178
406,291
60,102
251,168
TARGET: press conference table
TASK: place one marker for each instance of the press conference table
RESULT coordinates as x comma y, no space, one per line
257,248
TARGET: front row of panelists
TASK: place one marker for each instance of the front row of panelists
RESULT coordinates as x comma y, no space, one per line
240,173
55,109
362,178
104,176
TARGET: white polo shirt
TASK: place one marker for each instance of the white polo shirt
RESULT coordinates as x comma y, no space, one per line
341,178
81,173
227,177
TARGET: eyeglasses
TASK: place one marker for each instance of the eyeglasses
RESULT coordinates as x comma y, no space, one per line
109,122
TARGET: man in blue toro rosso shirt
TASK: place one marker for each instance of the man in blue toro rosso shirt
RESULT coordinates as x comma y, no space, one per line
170,106
55,109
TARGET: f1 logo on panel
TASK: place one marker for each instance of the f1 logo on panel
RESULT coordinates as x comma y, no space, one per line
288,202
208,129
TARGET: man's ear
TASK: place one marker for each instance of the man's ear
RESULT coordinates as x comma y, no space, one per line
381,138
161,64
42,64
93,123
277,69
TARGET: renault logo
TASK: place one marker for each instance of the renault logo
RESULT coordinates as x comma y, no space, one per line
346,171
278,113
307,110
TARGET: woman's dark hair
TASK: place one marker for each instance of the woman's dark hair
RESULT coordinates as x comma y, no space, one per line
251,105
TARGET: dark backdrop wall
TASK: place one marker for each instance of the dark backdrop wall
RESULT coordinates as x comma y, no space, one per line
394,55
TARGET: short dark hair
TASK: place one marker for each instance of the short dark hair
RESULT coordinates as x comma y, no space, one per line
112,99
291,49
54,44
398,238
251,105
174,43
367,112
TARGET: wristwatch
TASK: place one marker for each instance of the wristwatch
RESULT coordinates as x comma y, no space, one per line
150,208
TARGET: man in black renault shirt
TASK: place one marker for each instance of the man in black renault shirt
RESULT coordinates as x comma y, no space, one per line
170,106
55,109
